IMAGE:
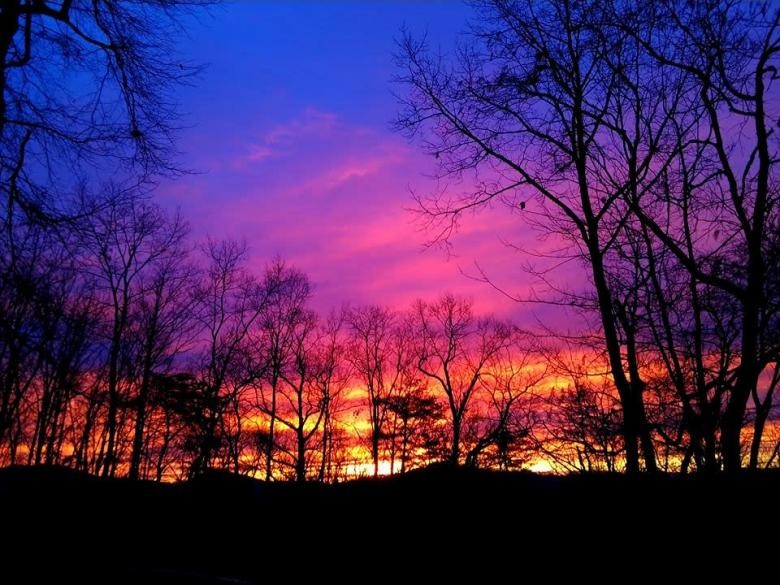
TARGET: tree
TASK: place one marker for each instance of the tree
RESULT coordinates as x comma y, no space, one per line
68,316
299,410
454,350
728,53
528,106
416,414
86,91
587,420
290,293
608,124
333,375
502,432
380,352
124,241
83,85
231,303
163,327
47,329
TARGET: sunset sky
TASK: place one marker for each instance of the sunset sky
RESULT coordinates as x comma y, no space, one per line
290,135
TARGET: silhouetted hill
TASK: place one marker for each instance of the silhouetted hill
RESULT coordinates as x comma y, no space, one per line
222,528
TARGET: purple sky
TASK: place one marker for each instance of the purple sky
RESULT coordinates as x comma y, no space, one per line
290,133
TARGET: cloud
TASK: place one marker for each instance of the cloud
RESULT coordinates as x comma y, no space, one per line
259,153
280,140
330,196
310,121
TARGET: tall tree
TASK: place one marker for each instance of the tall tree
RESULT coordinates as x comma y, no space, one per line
290,294
123,243
728,53
527,106
162,326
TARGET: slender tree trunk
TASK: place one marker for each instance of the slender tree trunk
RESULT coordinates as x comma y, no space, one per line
746,381
109,463
140,421
637,401
404,444
269,449
758,432
394,435
762,414
375,432
325,445
630,418
140,424
754,299
300,459
456,430
143,392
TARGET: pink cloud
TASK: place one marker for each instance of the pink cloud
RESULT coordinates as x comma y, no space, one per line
332,198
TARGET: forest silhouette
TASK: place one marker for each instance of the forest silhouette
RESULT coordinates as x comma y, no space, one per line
182,387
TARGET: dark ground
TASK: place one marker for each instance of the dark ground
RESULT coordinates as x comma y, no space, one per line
432,525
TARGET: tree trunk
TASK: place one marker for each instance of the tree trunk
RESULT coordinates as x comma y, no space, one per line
9,26
456,428
269,449
746,381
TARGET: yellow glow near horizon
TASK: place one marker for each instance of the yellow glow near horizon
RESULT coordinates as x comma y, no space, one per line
541,466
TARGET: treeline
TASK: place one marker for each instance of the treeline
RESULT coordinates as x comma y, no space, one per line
638,138
127,350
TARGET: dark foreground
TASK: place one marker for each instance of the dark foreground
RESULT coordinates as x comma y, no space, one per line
428,526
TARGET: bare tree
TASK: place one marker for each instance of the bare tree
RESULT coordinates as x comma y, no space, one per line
333,376
83,85
587,420
528,110
231,304
727,52
290,294
310,394
163,326
124,242
299,408
502,430
381,354
454,351
69,322
47,332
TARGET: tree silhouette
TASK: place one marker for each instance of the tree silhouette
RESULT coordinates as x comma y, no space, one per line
599,122
416,414
231,302
455,350
83,85
381,354
291,292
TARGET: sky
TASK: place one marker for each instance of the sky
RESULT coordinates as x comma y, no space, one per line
289,132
